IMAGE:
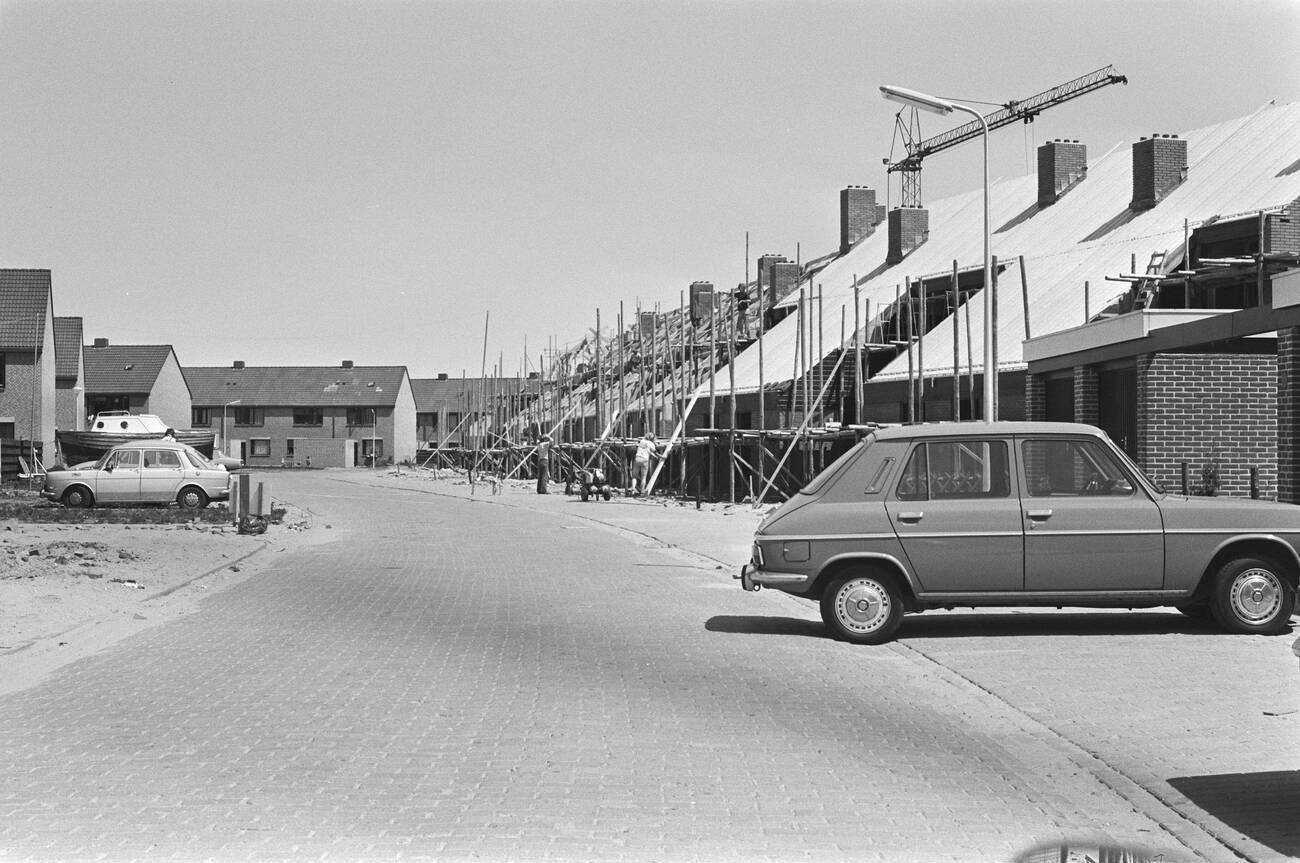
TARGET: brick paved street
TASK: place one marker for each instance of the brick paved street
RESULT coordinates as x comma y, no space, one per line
509,680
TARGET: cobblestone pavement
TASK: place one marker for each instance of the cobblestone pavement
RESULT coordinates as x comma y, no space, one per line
509,679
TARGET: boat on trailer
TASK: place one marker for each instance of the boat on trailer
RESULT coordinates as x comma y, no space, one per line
107,429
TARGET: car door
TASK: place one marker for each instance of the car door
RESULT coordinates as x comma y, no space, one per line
119,480
958,517
161,475
1088,524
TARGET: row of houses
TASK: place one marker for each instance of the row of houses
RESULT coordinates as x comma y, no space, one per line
1151,291
343,415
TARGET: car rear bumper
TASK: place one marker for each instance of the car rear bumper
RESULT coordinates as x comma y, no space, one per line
752,578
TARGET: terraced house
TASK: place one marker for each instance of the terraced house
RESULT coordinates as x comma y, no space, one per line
324,416
27,357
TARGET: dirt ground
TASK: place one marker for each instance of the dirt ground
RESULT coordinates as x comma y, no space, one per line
70,587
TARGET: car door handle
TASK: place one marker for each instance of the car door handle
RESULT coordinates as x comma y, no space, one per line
1038,514
910,517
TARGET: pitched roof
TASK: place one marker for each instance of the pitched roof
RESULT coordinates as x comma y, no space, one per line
1235,167
296,386
24,299
121,369
67,347
431,394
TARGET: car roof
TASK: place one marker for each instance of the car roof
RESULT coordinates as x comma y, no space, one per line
979,427
152,443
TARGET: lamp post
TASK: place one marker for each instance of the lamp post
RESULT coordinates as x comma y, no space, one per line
936,105
225,444
374,433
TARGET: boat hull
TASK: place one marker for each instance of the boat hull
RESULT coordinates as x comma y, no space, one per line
79,446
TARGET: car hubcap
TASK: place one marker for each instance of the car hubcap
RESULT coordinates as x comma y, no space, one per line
862,605
1256,595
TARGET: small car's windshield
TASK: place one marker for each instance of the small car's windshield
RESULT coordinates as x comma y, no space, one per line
820,481
1132,465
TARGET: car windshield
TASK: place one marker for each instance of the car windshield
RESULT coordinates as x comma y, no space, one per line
1132,465
820,481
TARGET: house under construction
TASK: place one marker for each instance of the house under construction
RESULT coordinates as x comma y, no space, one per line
1148,291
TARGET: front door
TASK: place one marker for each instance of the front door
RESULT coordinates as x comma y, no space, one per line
120,478
1088,525
958,518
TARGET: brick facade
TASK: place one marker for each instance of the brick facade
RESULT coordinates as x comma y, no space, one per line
859,215
1282,230
1288,415
1035,398
909,227
783,277
1213,411
1086,407
1159,166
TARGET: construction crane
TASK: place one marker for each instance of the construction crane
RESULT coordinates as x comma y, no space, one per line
1022,109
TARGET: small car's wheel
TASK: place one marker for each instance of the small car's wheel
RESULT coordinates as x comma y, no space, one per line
608,493
78,496
862,607
1252,595
192,497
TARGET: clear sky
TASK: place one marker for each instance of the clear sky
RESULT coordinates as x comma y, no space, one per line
301,183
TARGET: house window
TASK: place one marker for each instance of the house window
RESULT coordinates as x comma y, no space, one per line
288,448
259,447
249,416
2,371
308,416
361,416
372,446
200,418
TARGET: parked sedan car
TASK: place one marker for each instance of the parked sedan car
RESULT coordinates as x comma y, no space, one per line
147,471
1018,514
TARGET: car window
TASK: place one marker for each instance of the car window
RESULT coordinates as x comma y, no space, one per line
196,458
819,482
953,470
163,458
125,458
1072,468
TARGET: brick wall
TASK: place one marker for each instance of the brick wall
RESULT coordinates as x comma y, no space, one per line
1061,164
909,227
1209,410
764,264
783,276
1288,415
1159,165
1035,398
1282,230
1086,409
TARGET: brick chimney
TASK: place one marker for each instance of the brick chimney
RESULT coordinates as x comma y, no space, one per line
1159,166
782,278
1062,165
765,263
101,343
859,215
701,301
909,227
442,376
237,364
347,364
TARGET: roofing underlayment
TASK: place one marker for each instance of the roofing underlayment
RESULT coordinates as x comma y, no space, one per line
1234,168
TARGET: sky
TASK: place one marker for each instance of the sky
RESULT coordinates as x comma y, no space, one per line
290,183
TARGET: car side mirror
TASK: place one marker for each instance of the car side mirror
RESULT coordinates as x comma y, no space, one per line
108,468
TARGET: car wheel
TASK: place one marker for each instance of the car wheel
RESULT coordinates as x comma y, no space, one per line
584,494
863,608
192,497
607,493
1252,595
78,496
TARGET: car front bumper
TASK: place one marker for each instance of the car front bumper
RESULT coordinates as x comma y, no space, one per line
752,578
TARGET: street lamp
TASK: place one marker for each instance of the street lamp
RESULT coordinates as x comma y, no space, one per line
936,105
225,444
374,433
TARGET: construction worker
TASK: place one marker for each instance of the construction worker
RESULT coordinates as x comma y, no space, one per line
645,451
544,465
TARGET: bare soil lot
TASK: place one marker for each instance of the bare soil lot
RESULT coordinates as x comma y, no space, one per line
72,581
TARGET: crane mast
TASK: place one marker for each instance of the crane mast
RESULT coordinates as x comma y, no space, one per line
1022,109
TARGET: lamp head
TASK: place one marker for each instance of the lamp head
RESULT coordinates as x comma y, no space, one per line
913,99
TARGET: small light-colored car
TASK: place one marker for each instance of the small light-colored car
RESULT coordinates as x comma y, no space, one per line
147,471
1018,514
